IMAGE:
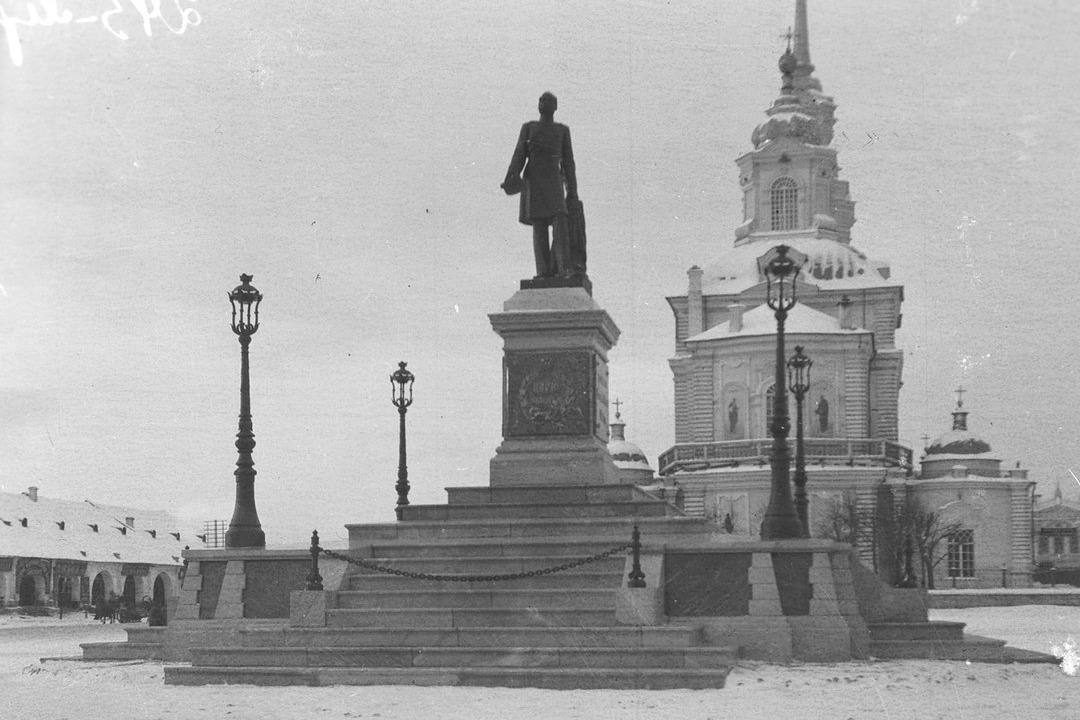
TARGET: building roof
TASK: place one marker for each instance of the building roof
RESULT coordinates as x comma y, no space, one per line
801,319
830,265
71,530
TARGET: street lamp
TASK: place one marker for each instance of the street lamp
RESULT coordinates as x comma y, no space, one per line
244,528
398,380
799,383
780,266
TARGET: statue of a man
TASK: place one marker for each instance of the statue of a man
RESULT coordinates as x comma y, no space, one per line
733,416
542,165
822,411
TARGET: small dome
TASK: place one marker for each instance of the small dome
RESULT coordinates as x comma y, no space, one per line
627,455
958,442
788,62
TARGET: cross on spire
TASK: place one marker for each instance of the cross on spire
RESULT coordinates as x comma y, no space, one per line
925,441
960,396
788,36
617,403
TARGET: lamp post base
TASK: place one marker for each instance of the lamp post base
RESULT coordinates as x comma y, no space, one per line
245,536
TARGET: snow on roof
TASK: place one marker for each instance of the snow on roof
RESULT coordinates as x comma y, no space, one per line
801,319
831,265
65,530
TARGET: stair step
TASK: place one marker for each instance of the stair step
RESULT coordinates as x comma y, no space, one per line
634,508
471,617
934,630
490,547
564,495
122,651
552,581
698,658
476,598
972,648
491,565
619,636
550,678
616,528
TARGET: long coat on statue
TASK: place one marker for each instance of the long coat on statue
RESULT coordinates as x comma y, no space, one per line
544,161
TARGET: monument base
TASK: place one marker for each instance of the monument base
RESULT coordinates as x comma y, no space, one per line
552,461
555,398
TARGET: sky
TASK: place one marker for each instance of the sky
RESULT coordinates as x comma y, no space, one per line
349,155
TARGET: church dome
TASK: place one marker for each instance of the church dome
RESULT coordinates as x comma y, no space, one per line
829,265
628,457
960,453
959,440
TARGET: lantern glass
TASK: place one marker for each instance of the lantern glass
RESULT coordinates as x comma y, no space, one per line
245,299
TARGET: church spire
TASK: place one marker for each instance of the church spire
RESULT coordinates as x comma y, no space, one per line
804,69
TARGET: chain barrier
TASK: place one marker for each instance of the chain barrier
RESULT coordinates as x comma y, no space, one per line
475,578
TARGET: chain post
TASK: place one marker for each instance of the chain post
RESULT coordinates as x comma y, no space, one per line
637,577
314,579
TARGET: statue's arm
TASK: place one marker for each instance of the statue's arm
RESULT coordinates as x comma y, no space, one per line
517,162
569,169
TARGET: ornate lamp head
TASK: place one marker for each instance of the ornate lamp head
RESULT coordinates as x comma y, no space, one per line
245,301
799,372
781,266
398,380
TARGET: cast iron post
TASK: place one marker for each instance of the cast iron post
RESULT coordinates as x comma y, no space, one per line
799,384
314,579
781,522
637,577
245,530
398,380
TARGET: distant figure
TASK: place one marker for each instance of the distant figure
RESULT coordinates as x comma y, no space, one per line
542,165
733,416
822,412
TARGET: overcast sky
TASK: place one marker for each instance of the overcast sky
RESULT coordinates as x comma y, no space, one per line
349,155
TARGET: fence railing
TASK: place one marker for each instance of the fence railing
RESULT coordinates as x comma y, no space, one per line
731,453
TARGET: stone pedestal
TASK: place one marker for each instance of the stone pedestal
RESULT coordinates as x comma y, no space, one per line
555,397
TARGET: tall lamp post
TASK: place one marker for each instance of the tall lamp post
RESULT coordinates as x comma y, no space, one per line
398,382
245,530
799,383
780,266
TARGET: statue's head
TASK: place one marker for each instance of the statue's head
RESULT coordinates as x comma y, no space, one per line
548,104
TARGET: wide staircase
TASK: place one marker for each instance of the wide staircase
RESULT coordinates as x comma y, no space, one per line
511,587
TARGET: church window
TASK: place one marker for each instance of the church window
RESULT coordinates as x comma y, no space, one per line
1044,544
1074,543
961,554
1059,545
784,204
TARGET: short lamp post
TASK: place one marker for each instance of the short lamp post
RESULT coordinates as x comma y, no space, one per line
400,381
780,266
245,530
799,383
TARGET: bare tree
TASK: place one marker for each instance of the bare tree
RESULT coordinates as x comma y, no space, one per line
928,528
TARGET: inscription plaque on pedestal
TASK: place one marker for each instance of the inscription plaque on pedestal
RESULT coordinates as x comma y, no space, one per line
549,393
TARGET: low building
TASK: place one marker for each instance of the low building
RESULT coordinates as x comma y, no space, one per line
1057,533
68,553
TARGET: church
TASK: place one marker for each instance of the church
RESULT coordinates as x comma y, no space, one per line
846,317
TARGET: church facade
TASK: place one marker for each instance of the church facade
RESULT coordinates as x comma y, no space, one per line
846,318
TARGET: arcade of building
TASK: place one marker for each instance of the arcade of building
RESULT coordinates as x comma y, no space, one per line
76,554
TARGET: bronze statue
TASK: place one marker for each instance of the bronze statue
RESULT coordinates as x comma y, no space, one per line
543,164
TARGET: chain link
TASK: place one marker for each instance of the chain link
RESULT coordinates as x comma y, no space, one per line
475,578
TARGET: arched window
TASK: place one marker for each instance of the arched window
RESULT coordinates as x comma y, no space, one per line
784,204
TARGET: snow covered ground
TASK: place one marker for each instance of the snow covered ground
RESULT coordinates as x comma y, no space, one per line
896,690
